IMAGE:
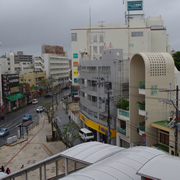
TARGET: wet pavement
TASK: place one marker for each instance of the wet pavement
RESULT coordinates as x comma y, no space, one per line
32,148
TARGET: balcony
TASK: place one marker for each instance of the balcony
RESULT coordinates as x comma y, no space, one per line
121,130
123,114
141,86
141,127
141,107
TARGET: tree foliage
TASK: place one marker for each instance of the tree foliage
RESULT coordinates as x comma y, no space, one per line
49,111
123,104
176,57
70,133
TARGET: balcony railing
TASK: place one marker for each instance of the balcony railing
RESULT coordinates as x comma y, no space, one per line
141,85
124,113
121,130
141,127
141,107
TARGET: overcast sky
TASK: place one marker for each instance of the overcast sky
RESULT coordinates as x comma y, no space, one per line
27,24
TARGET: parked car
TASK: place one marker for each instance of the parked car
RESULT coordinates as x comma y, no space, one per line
27,117
86,134
34,101
4,132
39,109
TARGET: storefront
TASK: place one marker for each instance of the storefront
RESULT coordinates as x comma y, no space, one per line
101,131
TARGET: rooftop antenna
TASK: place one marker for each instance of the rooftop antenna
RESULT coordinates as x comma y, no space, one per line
101,22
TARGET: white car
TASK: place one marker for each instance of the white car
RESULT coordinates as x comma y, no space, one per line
34,101
39,109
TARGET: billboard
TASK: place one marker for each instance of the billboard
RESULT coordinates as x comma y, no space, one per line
75,64
52,49
134,5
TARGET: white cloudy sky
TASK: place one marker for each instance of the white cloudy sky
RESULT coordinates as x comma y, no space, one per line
27,24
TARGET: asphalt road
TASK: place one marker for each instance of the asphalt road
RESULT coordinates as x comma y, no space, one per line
14,119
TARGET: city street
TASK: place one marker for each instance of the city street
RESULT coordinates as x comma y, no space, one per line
14,119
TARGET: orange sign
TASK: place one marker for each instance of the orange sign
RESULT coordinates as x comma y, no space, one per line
75,64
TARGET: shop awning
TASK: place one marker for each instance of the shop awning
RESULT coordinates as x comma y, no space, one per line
15,97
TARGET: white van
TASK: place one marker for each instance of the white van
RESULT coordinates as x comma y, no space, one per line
86,134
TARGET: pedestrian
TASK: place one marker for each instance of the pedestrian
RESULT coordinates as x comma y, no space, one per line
2,168
22,166
8,171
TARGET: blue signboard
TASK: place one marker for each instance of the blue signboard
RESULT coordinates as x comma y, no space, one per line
75,80
74,92
134,5
75,55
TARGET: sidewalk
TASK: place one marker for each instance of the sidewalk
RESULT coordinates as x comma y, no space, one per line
32,150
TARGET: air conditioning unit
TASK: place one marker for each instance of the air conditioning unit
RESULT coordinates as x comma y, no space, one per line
170,118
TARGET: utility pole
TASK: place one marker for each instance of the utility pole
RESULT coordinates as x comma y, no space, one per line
108,121
177,121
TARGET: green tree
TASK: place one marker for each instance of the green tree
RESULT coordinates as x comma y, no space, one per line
123,104
70,133
176,57
49,111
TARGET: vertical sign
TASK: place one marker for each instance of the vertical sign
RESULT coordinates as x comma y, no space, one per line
144,139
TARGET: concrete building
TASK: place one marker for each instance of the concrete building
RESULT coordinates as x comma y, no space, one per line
16,63
137,35
151,78
55,65
32,78
111,73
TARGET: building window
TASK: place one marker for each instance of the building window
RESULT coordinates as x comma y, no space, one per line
164,138
21,79
8,63
101,38
29,79
73,36
136,34
8,68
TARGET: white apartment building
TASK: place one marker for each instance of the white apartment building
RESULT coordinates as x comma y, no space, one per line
152,76
138,34
16,63
55,65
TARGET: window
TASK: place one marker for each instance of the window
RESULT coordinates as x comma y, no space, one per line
164,138
29,79
101,39
21,79
95,38
8,63
73,36
136,34
8,68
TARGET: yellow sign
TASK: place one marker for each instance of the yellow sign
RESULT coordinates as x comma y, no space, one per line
76,72
96,126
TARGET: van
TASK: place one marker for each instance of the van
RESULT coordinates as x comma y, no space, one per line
86,134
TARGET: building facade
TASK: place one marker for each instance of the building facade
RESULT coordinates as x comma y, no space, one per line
137,35
33,78
11,96
55,65
151,79
98,79
16,63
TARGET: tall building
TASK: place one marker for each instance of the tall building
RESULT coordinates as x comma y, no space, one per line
56,66
138,34
102,81
151,80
